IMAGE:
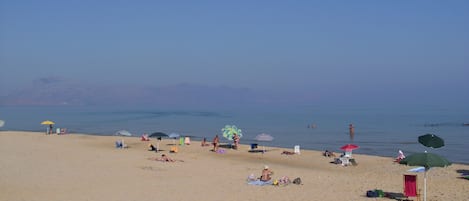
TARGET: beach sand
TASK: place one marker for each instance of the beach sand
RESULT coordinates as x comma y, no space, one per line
76,167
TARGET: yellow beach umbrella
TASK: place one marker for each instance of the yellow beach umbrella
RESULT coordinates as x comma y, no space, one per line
47,122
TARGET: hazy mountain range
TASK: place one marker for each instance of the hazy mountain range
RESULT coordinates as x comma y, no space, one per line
61,91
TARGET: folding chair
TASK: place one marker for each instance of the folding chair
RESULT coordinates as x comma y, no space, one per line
297,149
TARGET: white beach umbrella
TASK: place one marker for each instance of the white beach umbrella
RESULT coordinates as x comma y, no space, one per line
123,133
174,136
264,137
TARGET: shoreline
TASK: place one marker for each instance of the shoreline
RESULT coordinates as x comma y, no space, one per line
199,141
36,166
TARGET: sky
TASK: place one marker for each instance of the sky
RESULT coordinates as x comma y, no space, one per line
327,48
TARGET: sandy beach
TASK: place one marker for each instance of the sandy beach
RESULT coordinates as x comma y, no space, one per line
77,167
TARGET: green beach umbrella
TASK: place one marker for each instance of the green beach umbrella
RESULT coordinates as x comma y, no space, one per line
428,161
431,140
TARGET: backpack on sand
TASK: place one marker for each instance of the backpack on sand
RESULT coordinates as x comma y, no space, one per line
297,181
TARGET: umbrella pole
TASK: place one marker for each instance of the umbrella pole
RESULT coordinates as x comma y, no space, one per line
425,186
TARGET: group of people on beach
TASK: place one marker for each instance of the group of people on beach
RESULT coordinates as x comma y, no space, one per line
216,142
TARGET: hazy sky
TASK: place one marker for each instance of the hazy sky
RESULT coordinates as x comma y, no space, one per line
350,47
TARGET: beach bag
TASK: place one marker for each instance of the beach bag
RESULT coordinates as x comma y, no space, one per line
379,193
251,177
371,194
275,183
297,181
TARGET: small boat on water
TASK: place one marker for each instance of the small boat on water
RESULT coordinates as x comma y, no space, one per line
465,124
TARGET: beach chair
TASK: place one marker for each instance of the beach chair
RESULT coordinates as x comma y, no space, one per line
410,186
124,145
254,146
344,161
296,149
118,144
348,154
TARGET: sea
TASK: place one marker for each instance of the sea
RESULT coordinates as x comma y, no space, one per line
381,131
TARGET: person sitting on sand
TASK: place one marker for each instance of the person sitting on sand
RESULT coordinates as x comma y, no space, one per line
151,147
204,143
145,137
400,156
266,174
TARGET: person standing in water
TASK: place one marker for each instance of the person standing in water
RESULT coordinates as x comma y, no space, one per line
351,129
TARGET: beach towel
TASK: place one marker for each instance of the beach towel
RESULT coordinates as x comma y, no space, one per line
410,185
187,140
260,183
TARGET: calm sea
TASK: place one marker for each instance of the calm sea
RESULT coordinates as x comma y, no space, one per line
378,131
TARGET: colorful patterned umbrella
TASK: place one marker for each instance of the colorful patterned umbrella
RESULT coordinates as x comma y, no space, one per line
230,130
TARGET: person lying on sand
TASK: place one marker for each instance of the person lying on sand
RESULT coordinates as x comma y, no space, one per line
165,158
288,153
328,153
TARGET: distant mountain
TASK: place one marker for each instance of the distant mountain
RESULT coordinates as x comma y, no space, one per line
60,91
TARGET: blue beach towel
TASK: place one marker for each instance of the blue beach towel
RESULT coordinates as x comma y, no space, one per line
260,183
